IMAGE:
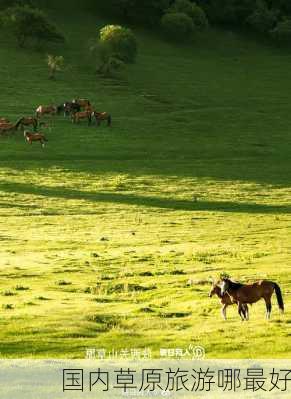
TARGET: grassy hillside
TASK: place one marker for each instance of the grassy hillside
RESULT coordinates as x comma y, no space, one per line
109,236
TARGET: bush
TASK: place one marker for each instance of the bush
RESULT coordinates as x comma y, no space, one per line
118,42
263,19
177,25
55,64
28,23
282,32
195,12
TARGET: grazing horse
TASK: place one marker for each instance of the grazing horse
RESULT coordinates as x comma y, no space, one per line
77,116
42,110
251,293
27,121
7,127
102,116
32,136
83,102
226,301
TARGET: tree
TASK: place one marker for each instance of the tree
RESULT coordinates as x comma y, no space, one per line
177,26
55,64
120,42
116,47
195,12
282,32
28,23
145,12
263,19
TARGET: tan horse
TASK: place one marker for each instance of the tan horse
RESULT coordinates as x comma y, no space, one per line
45,110
226,301
77,116
251,293
32,136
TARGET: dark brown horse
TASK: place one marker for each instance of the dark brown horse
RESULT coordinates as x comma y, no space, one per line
27,121
102,116
251,293
32,136
82,102
68,107
226,301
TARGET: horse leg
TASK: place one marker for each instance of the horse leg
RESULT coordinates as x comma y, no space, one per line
240,310
268,307
223,311
246,311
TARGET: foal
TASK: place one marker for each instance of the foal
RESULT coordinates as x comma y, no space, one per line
226,301
250,293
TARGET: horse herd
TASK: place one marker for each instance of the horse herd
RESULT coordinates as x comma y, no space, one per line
230,292
77,109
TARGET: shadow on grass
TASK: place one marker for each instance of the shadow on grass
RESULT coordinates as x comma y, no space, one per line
138,200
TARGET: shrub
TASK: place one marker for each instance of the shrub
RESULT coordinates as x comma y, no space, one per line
55,64
177,25
28,23
263,19
195,12
282,32
119,42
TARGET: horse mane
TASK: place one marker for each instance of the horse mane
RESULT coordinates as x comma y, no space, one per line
233,285
19,122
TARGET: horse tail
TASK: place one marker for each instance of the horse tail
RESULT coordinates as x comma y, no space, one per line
18,123
109,120
279,296
45,139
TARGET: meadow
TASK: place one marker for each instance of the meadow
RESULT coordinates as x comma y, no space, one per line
110,236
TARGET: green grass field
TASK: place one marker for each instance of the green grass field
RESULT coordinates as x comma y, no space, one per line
110,236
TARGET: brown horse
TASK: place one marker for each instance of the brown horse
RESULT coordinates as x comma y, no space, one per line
43,110
251,293
226,301
4,120
102,116
27,121
32,136
77,116
6,128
